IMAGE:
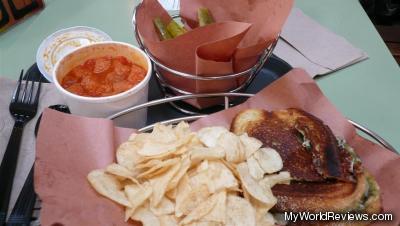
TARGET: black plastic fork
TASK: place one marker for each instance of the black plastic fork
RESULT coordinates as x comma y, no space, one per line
23,108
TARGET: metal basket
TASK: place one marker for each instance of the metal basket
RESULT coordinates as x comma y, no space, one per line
169,90
227,104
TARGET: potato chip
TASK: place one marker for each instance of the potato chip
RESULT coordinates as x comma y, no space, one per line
173,176
199,154
185,164
194,141
189,198
250,144
266,220
239,212
164,133
232,167
218,213
280,178
246,194
128,213
202,209
235,190
202,167
165,207
140,138
137,195
162,157
181,150
148,164
159,168
162,141
253,188
263,217
181,193
160,183
269,160
154,172
121,171
157,149
209,136
216,177
168,220
171,194
204,223
132,136
254,168
182,129
167,150
127,155
263,207
145,216
108,186
189,142
232,146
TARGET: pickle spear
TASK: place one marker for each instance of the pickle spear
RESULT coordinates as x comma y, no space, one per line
175,29
204,16
162,30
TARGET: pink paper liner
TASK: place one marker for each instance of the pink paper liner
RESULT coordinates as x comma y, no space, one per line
232,44
69,147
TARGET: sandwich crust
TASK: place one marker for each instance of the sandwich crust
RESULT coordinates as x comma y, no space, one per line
320,196
325,175
308,148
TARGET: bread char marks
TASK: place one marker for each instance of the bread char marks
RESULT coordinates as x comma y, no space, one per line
296,159
324,149
328,159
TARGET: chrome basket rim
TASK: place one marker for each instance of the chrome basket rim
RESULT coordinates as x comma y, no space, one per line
380,140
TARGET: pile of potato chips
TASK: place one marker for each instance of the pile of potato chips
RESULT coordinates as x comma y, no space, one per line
173,176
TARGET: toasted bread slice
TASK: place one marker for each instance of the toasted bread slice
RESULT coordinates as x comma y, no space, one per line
320,196
326,178
274,133
369,202
307,146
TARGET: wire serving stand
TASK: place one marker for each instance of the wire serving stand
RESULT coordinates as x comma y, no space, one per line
191,118
168,89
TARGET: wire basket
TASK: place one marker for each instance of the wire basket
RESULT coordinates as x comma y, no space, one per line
227,104
166,76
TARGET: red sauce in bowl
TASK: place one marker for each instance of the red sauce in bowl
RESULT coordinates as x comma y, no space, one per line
103,76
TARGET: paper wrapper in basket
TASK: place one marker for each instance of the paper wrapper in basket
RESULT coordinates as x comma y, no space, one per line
232,44
69,147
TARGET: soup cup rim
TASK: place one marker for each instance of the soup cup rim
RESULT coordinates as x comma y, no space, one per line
134,89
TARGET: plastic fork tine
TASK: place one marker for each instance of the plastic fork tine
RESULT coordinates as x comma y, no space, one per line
31,92
18,88
24,94
38,92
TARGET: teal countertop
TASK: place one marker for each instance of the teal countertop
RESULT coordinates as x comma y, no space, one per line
367,92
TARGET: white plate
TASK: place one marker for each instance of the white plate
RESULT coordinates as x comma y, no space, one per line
62,42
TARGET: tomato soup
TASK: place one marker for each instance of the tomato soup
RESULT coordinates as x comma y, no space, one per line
103,76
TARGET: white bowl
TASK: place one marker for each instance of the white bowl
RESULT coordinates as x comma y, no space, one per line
62,42
102,107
